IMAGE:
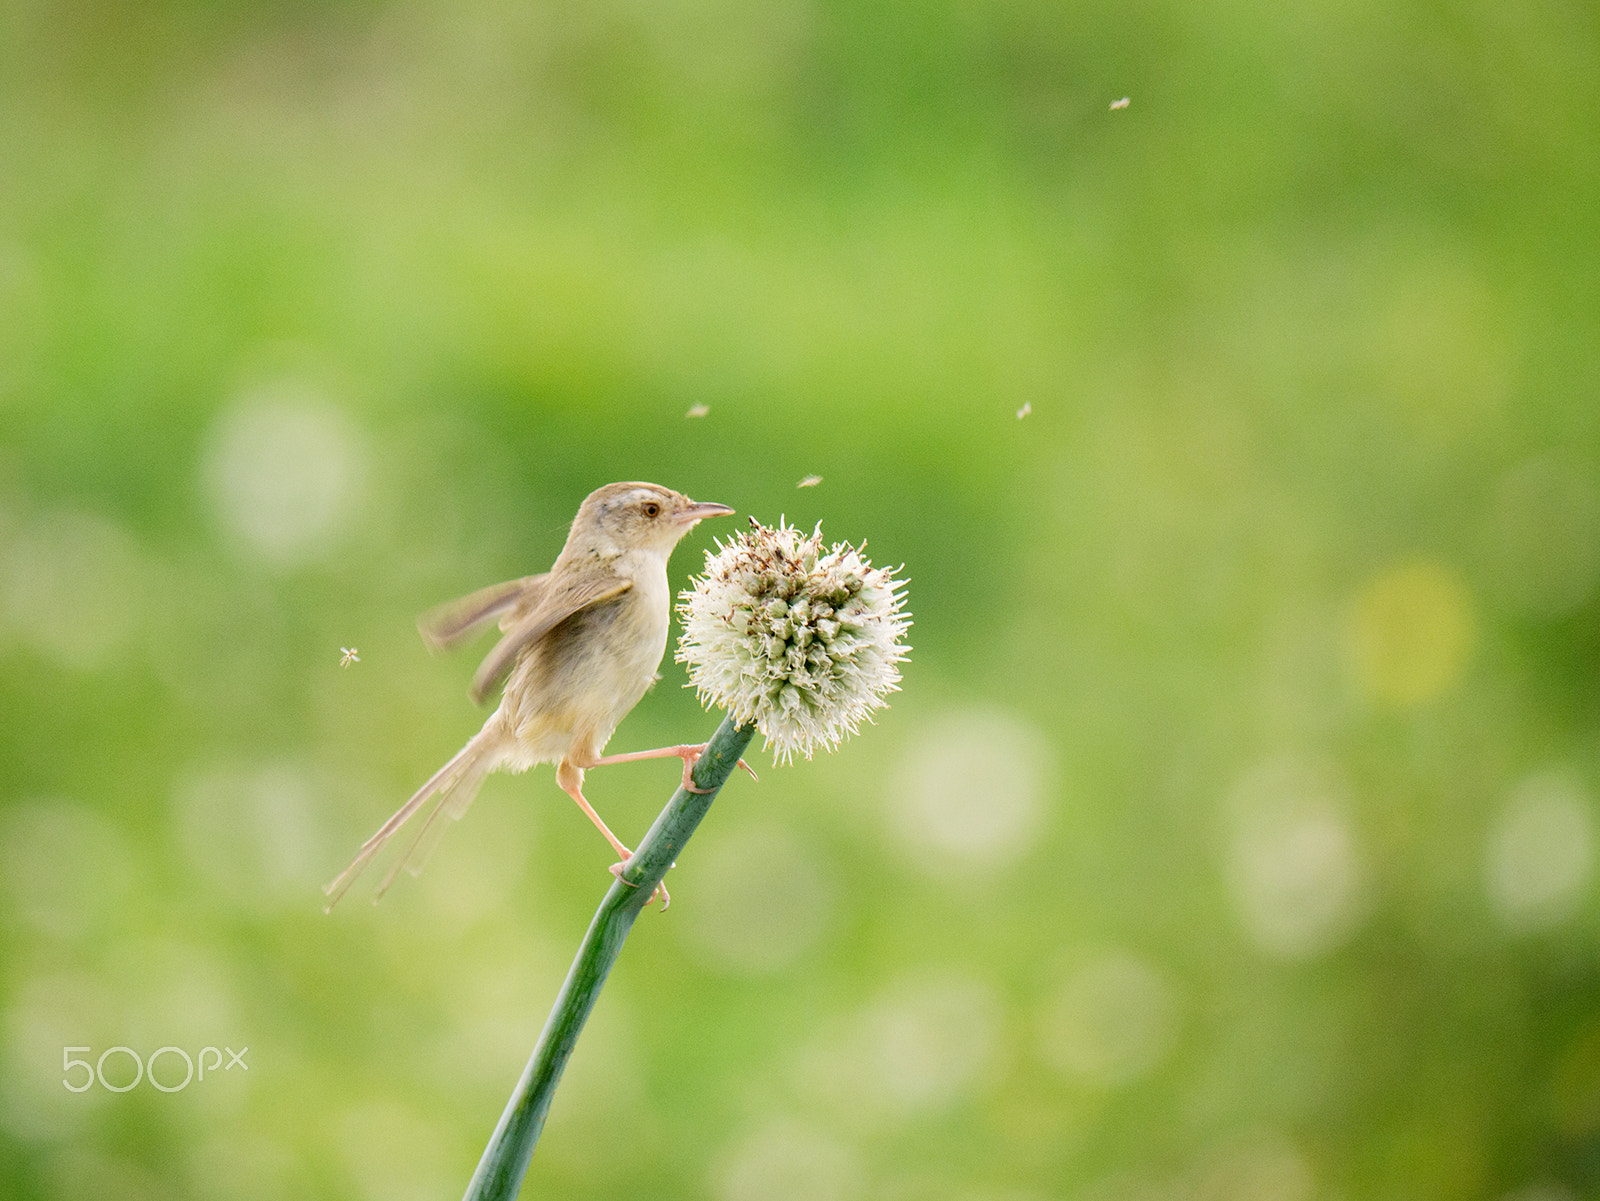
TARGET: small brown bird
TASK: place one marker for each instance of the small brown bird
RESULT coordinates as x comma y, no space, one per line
581,645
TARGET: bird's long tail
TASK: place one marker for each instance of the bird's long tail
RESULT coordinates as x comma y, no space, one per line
454,785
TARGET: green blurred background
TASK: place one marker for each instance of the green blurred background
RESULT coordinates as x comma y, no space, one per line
1234,834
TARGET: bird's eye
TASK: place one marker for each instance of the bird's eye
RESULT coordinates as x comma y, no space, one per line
651,509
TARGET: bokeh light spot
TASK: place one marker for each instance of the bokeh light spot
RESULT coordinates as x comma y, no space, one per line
72,585
917,1048
169,990
1411,632
762,900
285,470
394,1153
1261,1165
1541,852
251,833
67,871
43,1014
788,1161
1293,867
970,791
1110,1021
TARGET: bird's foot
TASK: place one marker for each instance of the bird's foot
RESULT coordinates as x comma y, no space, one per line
661,889
689,753
690,756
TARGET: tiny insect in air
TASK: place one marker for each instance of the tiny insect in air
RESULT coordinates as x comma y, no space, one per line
347,656
698,411
811,481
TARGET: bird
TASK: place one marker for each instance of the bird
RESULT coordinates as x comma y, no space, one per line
579,646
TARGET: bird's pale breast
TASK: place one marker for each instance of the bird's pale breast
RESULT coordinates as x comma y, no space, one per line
585,675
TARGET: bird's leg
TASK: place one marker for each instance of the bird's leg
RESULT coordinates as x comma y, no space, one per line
571,780
689,753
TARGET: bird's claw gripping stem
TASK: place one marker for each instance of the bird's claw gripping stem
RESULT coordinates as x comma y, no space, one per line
688,752
691,755
661,889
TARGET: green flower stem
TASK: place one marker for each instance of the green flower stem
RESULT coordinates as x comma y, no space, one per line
505,1159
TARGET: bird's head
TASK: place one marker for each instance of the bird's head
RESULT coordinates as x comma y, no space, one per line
637,516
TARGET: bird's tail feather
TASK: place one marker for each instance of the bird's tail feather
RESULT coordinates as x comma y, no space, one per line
454,784
453,802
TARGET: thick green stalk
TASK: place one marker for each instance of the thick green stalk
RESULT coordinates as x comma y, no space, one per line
505,1159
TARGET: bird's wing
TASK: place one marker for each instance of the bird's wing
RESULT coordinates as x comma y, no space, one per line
450,624
554,608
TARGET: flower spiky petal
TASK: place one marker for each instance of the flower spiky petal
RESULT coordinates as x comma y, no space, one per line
801,642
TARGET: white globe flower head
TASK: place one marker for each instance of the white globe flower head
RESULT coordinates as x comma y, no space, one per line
801,642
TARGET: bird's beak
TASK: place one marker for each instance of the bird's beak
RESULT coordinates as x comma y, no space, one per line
703,508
